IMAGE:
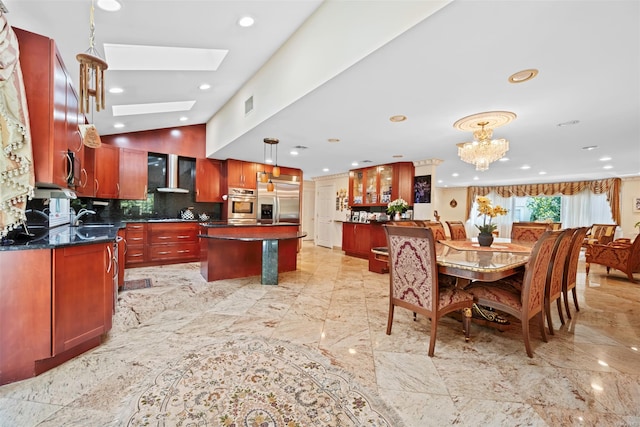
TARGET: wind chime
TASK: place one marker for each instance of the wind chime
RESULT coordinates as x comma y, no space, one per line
91,85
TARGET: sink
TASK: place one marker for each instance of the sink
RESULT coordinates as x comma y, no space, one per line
94,225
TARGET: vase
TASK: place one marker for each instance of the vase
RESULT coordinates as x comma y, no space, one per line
485,239
396,216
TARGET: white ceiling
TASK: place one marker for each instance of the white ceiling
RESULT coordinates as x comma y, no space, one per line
450,65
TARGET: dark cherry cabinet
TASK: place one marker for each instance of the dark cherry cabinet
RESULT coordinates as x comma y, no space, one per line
208,180
133,172
106,170
135,241
53,107
177,242
356,239
82,291
379,185
241,174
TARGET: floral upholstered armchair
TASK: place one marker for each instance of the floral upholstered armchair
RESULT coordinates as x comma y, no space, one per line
620,254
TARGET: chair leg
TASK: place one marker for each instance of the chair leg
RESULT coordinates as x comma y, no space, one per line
540,317
547,311
587,266
434,330
565,298
525,337
414,316
560,310
390,318
575,298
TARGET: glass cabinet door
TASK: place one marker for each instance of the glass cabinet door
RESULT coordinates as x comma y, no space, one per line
357,187
371,186
386,180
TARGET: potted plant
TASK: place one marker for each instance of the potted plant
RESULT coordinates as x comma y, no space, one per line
396,207
485,238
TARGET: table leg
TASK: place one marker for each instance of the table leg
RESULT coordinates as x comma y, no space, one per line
269,262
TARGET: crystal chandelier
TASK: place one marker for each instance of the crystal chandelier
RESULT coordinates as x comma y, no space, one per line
483,150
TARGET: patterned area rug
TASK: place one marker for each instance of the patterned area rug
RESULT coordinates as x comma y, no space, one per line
258,382
136,284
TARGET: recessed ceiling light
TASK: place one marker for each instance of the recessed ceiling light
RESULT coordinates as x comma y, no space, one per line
504,159
325,170
569,123
159,107
293,152
333,140
523,76
246,21
184,119
109,5
475,178
440,181
542,173
607,167
604,159
455,174
590,147
138,57
525,167
118,125
204,86
354,164
116,90
398,118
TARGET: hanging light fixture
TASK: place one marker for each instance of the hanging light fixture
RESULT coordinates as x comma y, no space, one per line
483,150
264,177
92,68
275,172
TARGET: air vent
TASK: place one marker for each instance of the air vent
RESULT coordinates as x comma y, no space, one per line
367,161
248,105
300,147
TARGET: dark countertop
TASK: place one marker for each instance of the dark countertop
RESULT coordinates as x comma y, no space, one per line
61,236
283,236
220,224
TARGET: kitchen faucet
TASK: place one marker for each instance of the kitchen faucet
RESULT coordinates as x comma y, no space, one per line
82,212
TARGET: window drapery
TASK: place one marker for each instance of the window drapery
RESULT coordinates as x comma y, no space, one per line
609,186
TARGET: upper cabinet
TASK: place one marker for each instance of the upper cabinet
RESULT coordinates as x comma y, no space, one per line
133,166
378,185
53,109
208,180
241,174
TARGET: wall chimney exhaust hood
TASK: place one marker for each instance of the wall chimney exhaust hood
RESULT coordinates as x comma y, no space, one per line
172,176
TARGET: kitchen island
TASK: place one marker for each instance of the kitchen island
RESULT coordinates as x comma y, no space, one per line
230,251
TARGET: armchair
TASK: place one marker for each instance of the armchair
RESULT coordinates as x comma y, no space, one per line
600,233
620,254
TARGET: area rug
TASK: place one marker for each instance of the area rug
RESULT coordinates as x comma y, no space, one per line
136,284
262,383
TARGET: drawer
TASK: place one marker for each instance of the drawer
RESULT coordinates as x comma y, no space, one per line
175,236
134,254
135,236
183,251
136,227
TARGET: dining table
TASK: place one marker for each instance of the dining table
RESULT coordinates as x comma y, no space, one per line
468,261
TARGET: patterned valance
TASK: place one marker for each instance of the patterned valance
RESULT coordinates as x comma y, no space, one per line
610,187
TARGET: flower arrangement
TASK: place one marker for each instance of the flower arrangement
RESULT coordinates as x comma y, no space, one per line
485,209
397,205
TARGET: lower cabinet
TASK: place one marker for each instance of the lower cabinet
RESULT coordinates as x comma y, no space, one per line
176,242
356,239
82,294
135,239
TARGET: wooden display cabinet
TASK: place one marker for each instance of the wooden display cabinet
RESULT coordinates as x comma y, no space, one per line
379,185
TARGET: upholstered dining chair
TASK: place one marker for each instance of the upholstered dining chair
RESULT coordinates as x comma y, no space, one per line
413,280
555,275
437,228
529,301
571,269
529,231
620,254
457,230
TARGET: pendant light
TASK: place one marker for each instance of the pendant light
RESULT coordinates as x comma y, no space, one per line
271,142
264,178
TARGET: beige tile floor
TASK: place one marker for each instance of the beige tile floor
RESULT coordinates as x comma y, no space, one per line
587,374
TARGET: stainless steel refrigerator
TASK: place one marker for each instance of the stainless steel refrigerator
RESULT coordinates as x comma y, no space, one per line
282,204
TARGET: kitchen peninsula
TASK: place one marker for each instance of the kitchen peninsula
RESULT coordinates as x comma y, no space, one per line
231,251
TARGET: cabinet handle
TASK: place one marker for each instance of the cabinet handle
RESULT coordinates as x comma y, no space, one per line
164,253
136,238
126,246
134,255
184,251
110,258
183,236
79,139
69,167
118,189
97,185
86,178
164,237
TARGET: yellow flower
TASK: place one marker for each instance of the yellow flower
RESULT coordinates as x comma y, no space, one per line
485,209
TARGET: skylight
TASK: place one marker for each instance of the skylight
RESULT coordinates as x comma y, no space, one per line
137,57
158,107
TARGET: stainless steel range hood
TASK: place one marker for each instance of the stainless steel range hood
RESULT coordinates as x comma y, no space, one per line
172,176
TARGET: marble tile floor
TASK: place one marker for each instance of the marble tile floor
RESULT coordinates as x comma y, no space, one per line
588,374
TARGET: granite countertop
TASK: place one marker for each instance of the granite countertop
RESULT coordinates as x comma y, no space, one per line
61,236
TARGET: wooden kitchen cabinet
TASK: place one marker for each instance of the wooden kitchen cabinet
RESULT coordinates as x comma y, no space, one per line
241,174
133,173
106,169
135,240
208,180
173,242
356,239
379,185
53,107
82,292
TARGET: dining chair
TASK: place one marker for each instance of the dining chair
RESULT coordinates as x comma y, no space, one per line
457,230
527,303
413,280
571,269
437,228
529,231
555,275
